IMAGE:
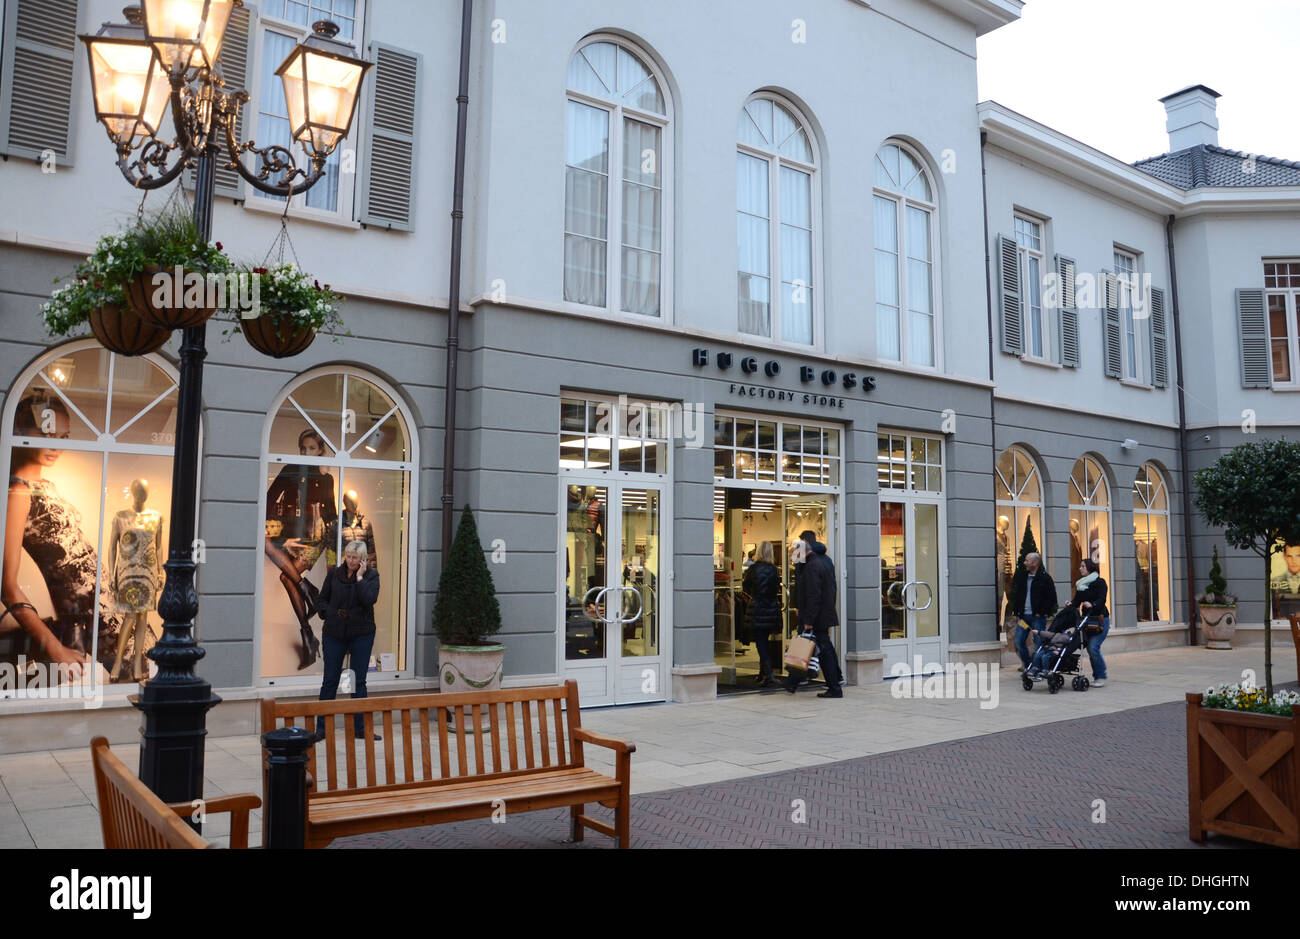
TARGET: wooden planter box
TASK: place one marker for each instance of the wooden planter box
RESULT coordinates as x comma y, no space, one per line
1243,774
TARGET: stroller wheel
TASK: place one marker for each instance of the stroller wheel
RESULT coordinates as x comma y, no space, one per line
1054,683
1027,683
1083,683
1074,683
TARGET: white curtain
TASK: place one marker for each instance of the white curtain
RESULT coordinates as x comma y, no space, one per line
796,256
642,219
919,302
753,234
888,331
586,200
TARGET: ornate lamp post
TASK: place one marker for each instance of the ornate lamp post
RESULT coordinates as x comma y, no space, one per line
167,53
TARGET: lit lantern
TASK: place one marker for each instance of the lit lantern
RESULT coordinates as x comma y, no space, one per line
188,31
130,87
321,79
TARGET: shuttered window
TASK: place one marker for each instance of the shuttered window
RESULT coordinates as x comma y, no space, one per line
1253,330
236,66
1008,261
1037,335
1068,311
1113,360
1159,339
38,71
388,184
1282,318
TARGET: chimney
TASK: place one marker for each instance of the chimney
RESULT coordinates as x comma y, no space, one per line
1192,118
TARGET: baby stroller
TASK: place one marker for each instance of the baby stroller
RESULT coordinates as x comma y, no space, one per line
1065,660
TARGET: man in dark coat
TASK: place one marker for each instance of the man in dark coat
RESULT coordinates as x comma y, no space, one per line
1033,599
815,594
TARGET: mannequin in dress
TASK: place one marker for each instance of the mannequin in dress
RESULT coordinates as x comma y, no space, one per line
1004,557
356,527
135,572
1076,549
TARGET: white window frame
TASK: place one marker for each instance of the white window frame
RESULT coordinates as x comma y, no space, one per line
617,112
1135,366
1025,253
775,160
902,202
1291,297
298,207
1142,506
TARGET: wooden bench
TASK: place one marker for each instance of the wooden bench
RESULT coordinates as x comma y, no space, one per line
131,816
437,769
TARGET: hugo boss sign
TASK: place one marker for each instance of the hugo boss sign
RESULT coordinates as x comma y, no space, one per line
826,378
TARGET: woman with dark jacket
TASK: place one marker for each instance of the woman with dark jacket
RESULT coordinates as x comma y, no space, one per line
1090,600
347,602
762,582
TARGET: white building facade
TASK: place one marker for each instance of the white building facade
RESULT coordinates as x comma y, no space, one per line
880,354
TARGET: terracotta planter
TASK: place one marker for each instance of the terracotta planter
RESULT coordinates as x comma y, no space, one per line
1243,774
470,668
268,336
1218,624
121,331
142,296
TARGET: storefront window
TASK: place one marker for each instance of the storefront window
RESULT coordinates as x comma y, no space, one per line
1151,537
912,463
776,452
1090,521
616,435
88,439
1018,491
338,470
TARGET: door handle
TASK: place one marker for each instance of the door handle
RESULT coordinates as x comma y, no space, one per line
636,615
586,603
896,595
929,598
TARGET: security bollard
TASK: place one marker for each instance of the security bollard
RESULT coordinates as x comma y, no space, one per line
284,818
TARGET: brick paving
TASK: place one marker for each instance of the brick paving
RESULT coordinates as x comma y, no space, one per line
1033,787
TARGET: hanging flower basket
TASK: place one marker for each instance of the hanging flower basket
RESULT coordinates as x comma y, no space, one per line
171,299
121,331
277,336
290,308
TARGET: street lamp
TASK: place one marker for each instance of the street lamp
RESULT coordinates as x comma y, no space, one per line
167,52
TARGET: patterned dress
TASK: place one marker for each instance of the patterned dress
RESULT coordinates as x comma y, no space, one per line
68,563
135,581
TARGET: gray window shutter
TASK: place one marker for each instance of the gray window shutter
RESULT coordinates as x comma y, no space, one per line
1068,313
1110,332
1256,370
236,61
388,170
38,78
1008,261
1159,340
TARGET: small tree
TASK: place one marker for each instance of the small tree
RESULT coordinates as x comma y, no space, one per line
1027,547
1216,593
466,611
1253,494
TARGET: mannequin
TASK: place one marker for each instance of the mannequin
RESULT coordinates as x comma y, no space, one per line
1076,549
1004,555
134,550
356,527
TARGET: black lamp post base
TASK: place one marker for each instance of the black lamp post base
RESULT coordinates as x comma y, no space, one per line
172,737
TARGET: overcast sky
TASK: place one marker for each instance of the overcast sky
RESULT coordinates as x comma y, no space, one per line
1096,69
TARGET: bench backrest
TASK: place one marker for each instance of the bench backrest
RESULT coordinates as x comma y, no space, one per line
430,737
130,815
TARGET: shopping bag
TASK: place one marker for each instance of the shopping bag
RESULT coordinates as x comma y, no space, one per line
800,652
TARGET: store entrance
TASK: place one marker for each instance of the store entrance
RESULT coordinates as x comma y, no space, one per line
743,519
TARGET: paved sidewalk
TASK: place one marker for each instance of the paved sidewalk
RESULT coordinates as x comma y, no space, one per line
47,799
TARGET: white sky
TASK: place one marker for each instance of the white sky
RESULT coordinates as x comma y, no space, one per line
1096,69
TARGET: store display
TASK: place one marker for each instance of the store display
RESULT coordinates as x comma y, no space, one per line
350,526
135,549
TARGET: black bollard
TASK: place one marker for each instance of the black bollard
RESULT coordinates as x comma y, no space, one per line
284,817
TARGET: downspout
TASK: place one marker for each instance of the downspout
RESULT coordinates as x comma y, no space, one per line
993,421
453,288
1182,437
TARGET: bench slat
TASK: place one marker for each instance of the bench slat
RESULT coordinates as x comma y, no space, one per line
541,727
480,765
390,774
306,707
331,755
462,754
559,733
407,744
368,729
426,756
528,734
350,751
510,728
496,738
443,753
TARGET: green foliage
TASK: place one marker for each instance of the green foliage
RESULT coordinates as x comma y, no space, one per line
466,611
1253,494
291,297
1246,697
171,238
1027,547
1216,593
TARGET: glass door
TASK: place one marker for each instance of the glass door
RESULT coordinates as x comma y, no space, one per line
613,604
815,513
912,585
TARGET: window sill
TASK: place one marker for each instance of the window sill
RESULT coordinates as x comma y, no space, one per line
267,207
1041,363
1141,385
1286,388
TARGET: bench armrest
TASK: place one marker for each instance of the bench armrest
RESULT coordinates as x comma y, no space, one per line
237,805
600,740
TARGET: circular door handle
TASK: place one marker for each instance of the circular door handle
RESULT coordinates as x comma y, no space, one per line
636,615
587,603
896,595
929,600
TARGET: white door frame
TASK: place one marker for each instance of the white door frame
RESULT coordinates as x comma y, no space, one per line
614,483
933,650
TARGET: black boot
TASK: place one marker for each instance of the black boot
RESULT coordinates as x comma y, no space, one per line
310,646
310,596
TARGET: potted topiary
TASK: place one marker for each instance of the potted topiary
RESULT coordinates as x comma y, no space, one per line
290,308
94,299
1218,609
465,614
171,277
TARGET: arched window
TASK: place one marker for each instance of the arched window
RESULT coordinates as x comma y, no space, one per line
88,551
1018,491
1090,521
1151,534
615,239
776,216
904,208
339,463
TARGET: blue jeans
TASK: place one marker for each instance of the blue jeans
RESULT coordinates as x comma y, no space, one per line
1022,636
357,649
1094,650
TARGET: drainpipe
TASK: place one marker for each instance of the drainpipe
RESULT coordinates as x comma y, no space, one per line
453,289
993,421
1182,437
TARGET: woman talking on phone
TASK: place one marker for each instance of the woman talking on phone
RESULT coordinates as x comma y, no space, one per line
347,602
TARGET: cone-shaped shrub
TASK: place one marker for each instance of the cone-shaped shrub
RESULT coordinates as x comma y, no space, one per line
466,611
